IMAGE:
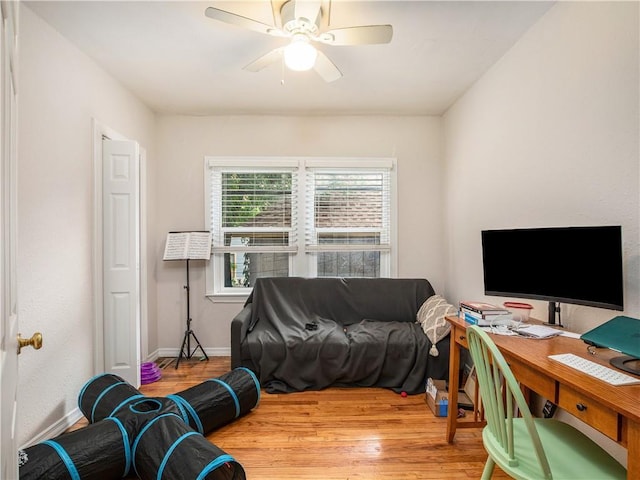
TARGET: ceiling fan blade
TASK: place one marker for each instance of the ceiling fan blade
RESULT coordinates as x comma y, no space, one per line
362,35
325,12
276,7
265,60
239,21
309,9
326,68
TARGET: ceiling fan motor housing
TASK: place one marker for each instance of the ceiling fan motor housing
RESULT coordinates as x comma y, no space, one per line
293,25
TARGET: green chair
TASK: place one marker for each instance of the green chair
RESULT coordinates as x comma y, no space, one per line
523,446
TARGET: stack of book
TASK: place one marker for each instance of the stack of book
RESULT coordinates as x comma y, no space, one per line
484,314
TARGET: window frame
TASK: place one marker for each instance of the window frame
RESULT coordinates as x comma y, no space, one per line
302,261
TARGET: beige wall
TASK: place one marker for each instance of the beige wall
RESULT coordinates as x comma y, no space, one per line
184,141
60,91
549,137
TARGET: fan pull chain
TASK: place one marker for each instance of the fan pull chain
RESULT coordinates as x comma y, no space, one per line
282,72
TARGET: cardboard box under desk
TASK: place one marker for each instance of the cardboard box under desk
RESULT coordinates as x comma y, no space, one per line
437,398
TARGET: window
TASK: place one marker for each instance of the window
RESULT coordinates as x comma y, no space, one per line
297,217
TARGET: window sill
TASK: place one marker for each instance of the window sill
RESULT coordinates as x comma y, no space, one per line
227,297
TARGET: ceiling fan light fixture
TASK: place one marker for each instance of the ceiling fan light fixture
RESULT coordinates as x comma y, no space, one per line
300,55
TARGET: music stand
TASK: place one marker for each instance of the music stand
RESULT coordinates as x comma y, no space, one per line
193,245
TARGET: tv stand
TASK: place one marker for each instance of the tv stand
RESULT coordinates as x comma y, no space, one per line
554,309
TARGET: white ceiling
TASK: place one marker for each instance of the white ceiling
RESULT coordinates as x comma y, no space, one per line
178,61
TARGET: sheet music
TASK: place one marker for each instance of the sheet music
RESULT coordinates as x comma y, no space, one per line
199,245
188,246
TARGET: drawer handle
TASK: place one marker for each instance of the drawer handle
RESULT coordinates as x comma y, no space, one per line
462,337
581,407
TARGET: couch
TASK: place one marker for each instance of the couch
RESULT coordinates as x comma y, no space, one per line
310,333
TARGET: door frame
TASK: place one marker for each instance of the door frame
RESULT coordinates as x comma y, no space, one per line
9,324
101,131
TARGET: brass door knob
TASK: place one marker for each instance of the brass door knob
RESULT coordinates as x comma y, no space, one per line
35,341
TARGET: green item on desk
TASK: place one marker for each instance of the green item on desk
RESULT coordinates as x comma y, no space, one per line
620,333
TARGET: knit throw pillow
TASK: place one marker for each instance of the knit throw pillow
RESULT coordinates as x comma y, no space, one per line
431,317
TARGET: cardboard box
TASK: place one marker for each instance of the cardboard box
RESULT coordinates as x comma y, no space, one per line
470,385
437,397
464,401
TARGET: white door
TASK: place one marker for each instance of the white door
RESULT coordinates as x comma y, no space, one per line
121,258
8,211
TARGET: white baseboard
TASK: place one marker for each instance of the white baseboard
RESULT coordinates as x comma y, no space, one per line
212,352
57,428
153,356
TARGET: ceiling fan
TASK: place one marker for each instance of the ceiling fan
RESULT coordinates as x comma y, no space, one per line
304,22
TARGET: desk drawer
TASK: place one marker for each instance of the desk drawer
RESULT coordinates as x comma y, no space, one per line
460,336
589,411
536,381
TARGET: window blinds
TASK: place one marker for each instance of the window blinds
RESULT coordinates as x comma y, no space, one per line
253,210
347,210
347,207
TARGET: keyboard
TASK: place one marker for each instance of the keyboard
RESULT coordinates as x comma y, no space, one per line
606,374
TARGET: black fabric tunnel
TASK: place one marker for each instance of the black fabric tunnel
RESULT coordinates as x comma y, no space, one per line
157,437
98,451
104,394
167,449
219,401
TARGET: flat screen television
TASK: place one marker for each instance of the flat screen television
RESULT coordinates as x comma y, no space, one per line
576,265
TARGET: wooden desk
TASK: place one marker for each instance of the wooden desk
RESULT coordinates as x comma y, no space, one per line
614,411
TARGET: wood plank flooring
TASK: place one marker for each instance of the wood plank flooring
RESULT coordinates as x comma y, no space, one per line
335,434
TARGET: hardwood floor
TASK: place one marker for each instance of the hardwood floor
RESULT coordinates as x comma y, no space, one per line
335,434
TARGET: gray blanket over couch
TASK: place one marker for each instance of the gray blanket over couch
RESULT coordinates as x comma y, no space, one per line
313,333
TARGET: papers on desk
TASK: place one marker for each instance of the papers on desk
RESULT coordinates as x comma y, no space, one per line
570,334
530,331
500,330
538,331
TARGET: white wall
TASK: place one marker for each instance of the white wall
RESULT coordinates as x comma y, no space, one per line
184,141
549,137
60,91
